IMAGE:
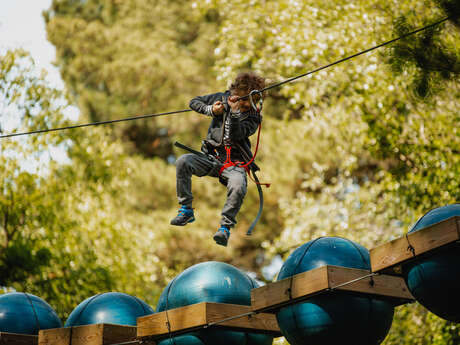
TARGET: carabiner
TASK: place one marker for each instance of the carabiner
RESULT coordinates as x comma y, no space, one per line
261,101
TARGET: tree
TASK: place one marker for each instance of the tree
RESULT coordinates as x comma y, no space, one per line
430,58
121,58
61,236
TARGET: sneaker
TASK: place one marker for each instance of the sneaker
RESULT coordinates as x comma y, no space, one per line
184,216
222,235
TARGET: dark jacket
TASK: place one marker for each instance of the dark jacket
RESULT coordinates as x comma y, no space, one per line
241,128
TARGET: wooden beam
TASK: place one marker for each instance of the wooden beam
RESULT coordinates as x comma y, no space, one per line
98,334
271,297
18,339
423,241
197,316
282,292
384,286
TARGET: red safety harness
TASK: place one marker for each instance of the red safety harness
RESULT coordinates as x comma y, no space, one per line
228,149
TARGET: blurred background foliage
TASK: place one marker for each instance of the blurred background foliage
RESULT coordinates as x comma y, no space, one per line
360,150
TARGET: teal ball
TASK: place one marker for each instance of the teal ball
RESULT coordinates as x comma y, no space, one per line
434,280
207,282
110,307
212,282
258,339
187,339
335,317
25,313
216,337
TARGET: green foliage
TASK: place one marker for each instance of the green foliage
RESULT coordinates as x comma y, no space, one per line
60,236
120,58
432,57
414,325
19,261
451,8
27,96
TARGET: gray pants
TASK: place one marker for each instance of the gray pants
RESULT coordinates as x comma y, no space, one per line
191,164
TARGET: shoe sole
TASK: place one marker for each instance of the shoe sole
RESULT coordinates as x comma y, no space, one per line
191,220
220,241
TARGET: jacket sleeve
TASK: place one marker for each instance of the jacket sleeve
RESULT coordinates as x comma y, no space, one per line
203,104
241,129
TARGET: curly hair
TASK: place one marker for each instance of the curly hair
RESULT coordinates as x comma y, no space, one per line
245,82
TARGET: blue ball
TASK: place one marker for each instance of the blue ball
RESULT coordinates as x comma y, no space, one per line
258,339
436,215
207,282
110,307
335,317
24,313
434,281
212,282
187,339
215,337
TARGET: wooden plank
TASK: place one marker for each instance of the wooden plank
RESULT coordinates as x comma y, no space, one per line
197,316
179,319
99,334
87,335
289,290
379,285
271,297
18,339
113,334
258,323
54,336
423,241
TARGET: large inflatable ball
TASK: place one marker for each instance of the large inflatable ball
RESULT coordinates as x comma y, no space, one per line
24,313
211,282
335,317
110,307
434,280
208,337
188,339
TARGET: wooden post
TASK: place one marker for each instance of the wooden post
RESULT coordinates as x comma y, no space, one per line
392,254
271,297
18,339
197,316
98,334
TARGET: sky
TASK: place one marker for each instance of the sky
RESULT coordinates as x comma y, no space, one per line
22,26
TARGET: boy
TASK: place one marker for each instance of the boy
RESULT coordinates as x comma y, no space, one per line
233,122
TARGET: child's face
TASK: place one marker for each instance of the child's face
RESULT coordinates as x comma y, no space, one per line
244,104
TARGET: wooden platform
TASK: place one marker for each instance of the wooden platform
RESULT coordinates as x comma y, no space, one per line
195,316
389,256
271,297
18,339
99,334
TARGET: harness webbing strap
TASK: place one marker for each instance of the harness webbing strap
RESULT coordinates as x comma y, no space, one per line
228,161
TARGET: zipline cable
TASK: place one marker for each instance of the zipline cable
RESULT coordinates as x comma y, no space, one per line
96,123
260,91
